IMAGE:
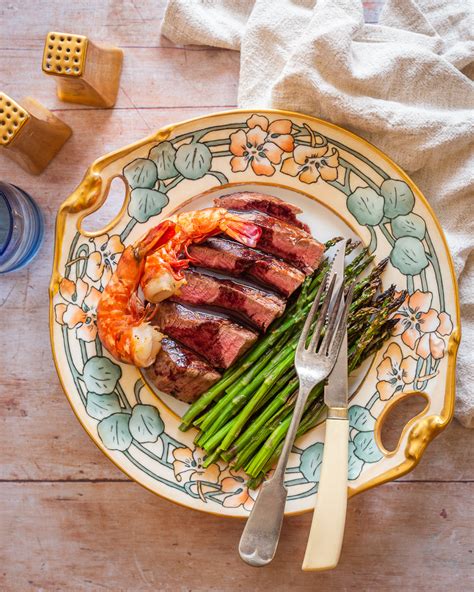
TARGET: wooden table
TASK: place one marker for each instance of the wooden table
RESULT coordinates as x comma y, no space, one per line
69,519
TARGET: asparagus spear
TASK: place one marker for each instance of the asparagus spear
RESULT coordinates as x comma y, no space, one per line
214,439
279,400
230,404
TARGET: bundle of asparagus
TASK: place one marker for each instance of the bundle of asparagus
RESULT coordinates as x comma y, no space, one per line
243,418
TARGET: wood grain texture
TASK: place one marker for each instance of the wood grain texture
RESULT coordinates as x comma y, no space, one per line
69,519
85,536
171,77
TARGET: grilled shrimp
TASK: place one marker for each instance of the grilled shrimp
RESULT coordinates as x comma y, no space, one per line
122,320
162,276
156,262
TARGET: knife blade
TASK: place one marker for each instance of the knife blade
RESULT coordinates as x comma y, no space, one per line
327,528
336,388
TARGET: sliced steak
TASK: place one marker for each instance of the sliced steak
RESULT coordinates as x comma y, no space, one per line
260,202
180,372
217,339
257,306
235,259
286,241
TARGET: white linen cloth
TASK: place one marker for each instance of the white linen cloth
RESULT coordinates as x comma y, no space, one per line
404,84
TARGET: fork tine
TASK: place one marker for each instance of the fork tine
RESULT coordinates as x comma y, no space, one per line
335,344
310,317
331,322
322,315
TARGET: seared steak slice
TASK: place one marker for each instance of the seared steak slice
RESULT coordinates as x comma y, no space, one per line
217,339
180,372
235,259
286,241
260,202
259,307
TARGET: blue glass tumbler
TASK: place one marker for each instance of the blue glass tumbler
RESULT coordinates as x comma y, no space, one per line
21,228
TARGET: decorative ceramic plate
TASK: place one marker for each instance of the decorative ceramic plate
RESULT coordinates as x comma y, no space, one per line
345,186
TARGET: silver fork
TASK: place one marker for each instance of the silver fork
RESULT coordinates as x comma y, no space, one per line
313,363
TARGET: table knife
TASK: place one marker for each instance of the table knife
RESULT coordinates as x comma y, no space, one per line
327,527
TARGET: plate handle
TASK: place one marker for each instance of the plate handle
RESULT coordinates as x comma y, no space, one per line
98,199
389,406
93,190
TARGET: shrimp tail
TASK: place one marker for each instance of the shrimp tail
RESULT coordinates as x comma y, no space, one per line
150,312
143,313
136,307
245,232
189,258
178,265
157,236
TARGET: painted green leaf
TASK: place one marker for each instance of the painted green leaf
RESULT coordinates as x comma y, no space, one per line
145,203
355,464
114,432
361,419
398,197
365,447
141,172
145,423
311,461
101,375
409,225
163,156
408,255
366,206
100,406
193,161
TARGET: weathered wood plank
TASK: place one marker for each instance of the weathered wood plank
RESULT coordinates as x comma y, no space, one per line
151,77
119,537
155,72
117,22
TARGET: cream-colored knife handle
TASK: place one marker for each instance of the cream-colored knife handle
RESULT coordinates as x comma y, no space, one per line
329,518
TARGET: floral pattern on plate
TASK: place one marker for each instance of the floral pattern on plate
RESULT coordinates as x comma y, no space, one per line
298,152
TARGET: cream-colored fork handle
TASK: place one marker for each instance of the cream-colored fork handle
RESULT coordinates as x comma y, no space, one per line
327,528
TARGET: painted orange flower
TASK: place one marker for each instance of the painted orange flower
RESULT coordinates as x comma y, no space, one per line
431,343
309,163
394,372
80,312
241,495
261,146
188,466
421,326
102,262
